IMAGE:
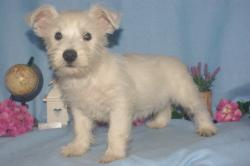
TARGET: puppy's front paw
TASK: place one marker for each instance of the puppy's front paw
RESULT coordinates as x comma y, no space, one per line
72,149
155,124
108,157
206,131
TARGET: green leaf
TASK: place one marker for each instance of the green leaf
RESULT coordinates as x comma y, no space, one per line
244,106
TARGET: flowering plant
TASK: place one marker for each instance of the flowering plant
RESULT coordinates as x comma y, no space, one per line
203,80
14,119
227,111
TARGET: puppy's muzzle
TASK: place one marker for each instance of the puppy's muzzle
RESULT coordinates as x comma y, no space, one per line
69,55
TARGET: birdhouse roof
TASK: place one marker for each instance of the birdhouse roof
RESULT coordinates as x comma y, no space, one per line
53,94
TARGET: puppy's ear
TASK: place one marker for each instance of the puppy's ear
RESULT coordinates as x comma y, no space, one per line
107,19
41,18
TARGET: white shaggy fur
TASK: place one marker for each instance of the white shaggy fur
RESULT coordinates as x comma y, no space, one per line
116,89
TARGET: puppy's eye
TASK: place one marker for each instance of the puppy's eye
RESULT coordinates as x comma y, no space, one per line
87,36
58,36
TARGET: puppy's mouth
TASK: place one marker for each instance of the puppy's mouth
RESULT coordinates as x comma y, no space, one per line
70,65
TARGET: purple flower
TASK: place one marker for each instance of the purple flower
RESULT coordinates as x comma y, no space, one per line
215,72
206,74
199,69
194,72
208,77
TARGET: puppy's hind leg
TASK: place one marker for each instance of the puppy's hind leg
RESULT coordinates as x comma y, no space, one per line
190,99
161,119
202,119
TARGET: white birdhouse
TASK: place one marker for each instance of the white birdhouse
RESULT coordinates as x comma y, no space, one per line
57,111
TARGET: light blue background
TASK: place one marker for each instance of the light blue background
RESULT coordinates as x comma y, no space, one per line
216,32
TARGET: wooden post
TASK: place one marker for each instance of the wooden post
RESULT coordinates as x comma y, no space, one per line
207,97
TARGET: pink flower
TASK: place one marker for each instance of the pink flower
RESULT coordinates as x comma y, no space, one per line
227,111
138,122
14,119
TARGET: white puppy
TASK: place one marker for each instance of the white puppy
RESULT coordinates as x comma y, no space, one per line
116,89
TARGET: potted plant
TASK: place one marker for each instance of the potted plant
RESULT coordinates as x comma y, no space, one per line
204,81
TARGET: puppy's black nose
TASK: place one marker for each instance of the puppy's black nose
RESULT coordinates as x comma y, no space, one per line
69,55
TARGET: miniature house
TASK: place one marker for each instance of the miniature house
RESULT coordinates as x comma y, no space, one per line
57,112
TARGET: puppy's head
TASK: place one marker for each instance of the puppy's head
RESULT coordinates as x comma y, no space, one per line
74,40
